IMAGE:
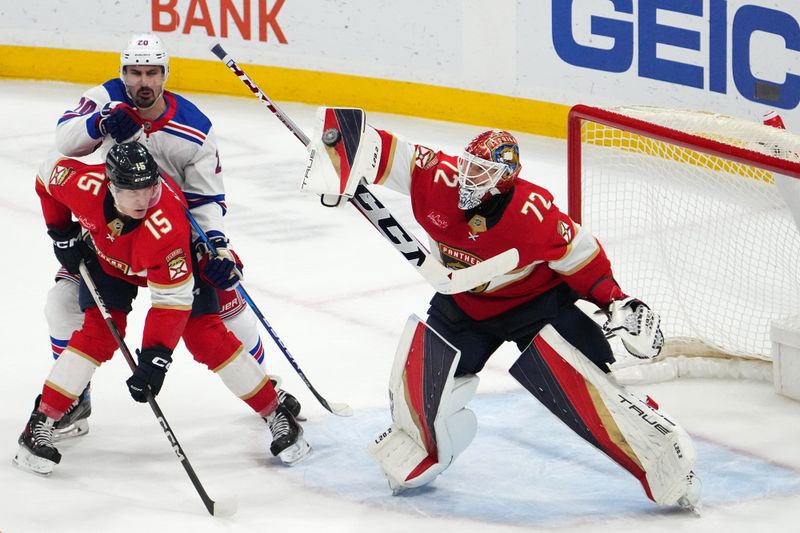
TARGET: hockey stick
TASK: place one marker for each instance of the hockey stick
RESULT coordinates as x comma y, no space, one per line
215,508
442,279
339,409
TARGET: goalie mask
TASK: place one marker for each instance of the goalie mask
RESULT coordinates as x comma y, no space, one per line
488,166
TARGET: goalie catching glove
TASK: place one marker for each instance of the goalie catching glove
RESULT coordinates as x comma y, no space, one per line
636,325
222,270
343,152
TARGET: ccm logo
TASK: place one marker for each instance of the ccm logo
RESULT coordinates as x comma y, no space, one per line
172,440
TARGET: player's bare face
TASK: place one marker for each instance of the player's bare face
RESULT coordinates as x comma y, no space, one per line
134,203
145,84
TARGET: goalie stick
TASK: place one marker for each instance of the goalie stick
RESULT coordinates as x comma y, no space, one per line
215,508
339,409
442,279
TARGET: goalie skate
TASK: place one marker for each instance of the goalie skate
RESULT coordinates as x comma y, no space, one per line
288,443
690,501
36,451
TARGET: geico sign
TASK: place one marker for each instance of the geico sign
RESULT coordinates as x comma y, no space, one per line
625,31
166,17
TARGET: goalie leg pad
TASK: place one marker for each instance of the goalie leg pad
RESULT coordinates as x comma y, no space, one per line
658,452
431,424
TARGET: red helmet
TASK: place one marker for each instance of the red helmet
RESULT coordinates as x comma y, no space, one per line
488,166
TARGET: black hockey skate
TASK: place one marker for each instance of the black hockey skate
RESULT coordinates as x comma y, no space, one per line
288,400
288,443
36,451
75,421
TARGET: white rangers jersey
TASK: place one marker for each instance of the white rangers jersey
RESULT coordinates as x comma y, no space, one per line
181,141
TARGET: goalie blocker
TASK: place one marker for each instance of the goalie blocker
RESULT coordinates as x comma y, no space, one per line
432,426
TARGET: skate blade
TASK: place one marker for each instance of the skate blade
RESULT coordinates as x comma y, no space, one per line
397,488
295,453
690,501
686,505
76,429
25,460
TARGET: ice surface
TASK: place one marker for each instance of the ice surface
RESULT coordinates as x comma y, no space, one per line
338,296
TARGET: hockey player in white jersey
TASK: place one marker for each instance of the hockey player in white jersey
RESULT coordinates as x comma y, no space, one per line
136,106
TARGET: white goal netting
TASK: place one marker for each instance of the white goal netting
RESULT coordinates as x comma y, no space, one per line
700,231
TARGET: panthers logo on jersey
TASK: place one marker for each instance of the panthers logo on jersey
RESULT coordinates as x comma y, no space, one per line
59,175
425,158
565,230
177,264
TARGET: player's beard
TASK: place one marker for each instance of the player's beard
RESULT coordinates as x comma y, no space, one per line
145,97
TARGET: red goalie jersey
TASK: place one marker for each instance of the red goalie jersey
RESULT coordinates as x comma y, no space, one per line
149,252
552,248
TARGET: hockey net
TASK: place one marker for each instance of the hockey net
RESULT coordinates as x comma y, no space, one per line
692,210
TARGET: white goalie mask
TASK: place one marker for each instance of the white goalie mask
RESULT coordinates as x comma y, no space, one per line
144,49
488,166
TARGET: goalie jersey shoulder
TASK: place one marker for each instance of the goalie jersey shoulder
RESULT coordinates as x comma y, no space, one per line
544,233
404,164
434,167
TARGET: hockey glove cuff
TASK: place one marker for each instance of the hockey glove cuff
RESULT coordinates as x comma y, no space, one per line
150,371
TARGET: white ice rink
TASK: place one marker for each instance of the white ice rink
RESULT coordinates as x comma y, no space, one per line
338,296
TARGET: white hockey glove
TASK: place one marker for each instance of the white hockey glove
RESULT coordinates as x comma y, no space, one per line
636,325
344,151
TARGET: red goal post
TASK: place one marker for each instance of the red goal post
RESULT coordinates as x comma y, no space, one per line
692,210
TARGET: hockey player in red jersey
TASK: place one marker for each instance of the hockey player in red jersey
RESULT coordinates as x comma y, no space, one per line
137,235
182,140
475,206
